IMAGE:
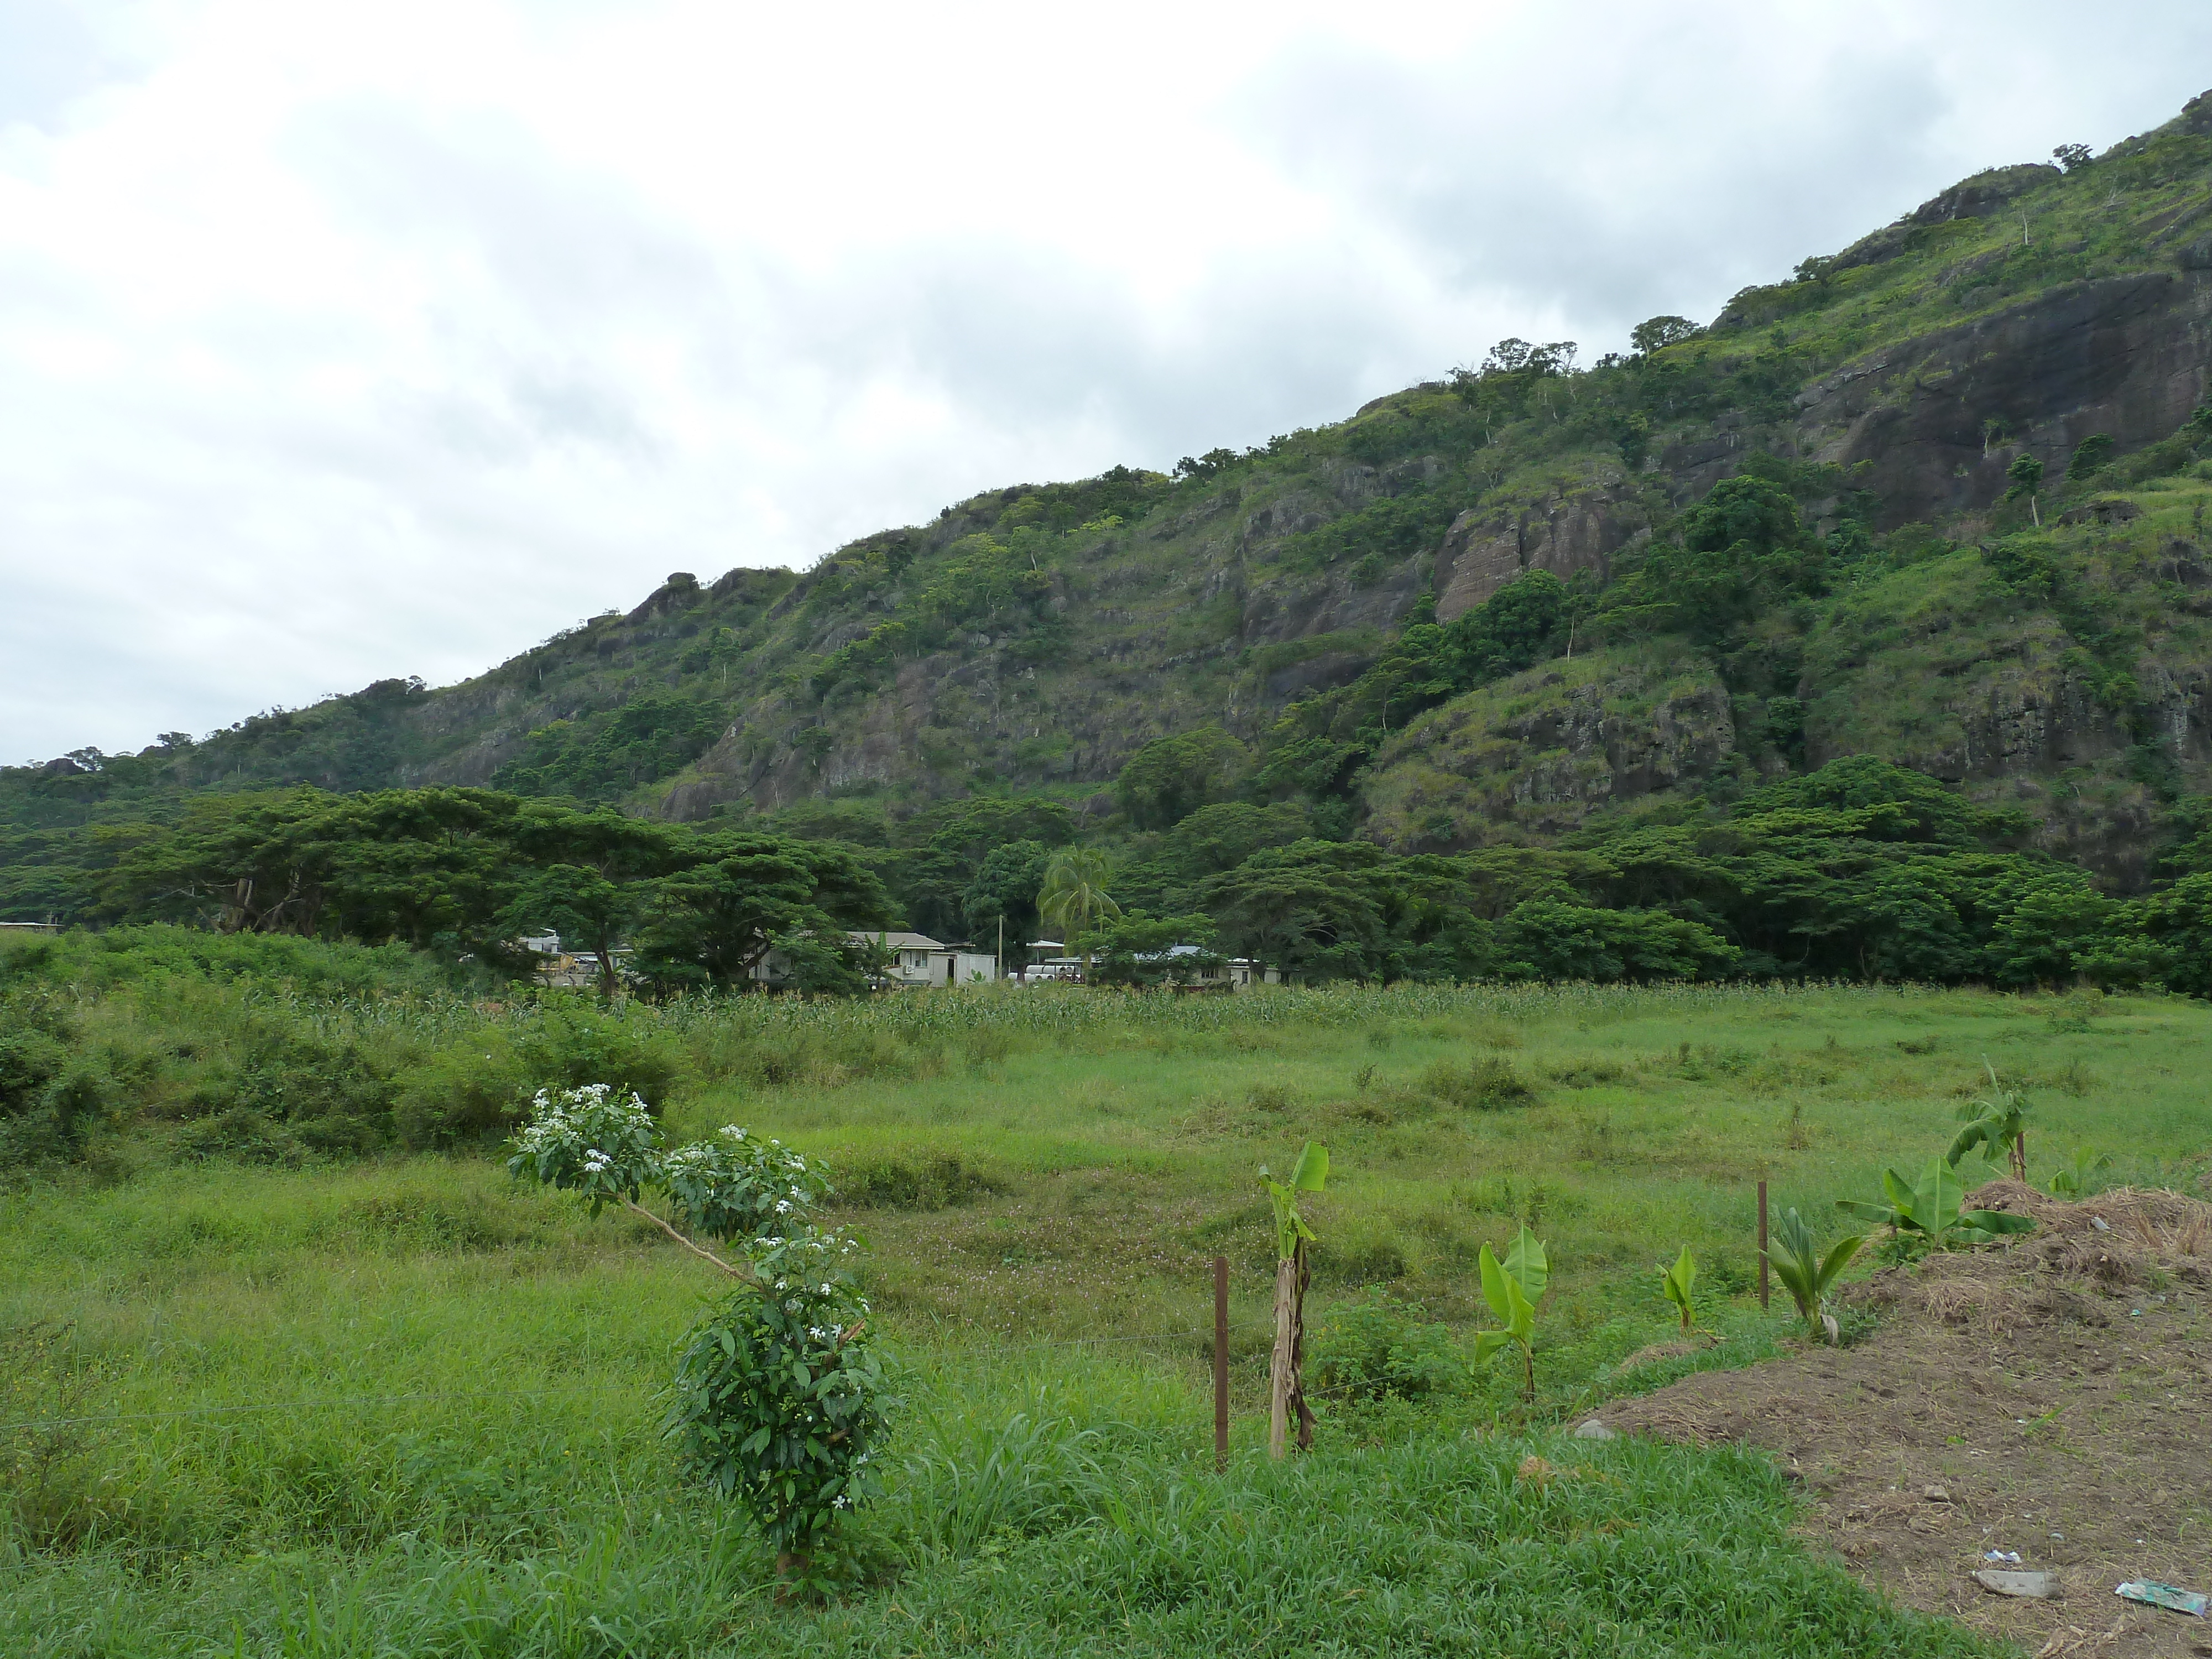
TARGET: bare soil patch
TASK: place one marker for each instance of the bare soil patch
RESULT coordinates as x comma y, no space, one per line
2048,1397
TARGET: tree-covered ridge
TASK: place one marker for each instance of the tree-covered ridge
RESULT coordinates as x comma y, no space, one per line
1030,642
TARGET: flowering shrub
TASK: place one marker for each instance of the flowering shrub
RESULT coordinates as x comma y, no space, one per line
740,1186
779,1398
586,1141
780,1405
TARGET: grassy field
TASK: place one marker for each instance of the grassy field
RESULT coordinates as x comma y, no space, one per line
404,1406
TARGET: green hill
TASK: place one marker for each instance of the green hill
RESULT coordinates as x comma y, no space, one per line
1505,606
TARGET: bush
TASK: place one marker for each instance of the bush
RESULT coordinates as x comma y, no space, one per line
244,1135
572,1045
1378,1347
987,1046
470,1092
53,1128
29,1059
1486,1083
291,1093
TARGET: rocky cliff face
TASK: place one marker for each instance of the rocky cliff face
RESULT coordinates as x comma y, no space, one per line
1563,531
1937,420
1535,756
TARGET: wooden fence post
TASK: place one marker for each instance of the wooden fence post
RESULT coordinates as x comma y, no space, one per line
1762,1246
1221,1362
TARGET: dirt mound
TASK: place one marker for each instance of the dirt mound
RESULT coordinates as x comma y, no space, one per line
2047,1398
2078,1258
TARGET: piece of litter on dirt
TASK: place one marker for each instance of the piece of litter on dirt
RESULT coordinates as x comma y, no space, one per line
2060,1536
2013,1556
2150,1590
1594,1430
2098,1222
2135,1313
2034,1586
1935,1494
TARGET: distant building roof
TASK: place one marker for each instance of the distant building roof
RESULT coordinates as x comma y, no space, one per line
902,941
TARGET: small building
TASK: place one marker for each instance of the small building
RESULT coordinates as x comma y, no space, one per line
919,961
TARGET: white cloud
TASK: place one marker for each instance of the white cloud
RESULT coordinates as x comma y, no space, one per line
344,341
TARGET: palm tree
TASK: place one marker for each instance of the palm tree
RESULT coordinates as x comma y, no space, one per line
1074,895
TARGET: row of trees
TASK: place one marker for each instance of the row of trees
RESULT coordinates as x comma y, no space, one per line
1860,871
468,872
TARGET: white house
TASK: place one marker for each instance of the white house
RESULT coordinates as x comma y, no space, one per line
918,960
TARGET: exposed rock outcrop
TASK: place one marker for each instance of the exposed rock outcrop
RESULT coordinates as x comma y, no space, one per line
2126,356
1488,547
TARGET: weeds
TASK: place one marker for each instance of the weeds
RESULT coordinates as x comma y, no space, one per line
1486,1083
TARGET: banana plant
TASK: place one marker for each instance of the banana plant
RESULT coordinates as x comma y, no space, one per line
1928,1216
1998,1123
1286,1402
1513,1288
1677,1284
1805,1272
1309,1174
2074,1181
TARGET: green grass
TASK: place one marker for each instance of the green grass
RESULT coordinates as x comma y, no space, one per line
404,1405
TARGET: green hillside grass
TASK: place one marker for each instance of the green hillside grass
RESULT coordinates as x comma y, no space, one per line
406,1405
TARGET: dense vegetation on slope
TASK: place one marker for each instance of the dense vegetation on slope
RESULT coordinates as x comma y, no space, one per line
1535,634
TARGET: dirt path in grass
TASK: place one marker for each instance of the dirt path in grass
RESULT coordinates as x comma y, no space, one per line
2050,1399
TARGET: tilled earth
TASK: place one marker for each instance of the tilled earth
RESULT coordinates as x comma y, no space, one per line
2048,1398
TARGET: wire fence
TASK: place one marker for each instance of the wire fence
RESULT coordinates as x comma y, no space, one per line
498,1530
352,1402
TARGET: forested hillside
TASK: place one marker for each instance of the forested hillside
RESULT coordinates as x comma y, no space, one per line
1603,633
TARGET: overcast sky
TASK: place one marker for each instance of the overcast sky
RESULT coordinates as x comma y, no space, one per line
343,341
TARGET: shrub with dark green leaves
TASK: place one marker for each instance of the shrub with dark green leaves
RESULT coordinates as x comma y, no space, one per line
1378,1347
467,1093
780,1400
572,1044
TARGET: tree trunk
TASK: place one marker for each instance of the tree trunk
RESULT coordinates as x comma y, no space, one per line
1285,1383
2019,1158
1279,1370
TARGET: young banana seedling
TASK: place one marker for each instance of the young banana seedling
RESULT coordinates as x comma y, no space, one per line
1998,1123
2079,1178
1513,1288
1678,1285
1928,1216
1806,1273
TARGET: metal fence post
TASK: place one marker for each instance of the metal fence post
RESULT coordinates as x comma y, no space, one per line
1221,1362
1762,1246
